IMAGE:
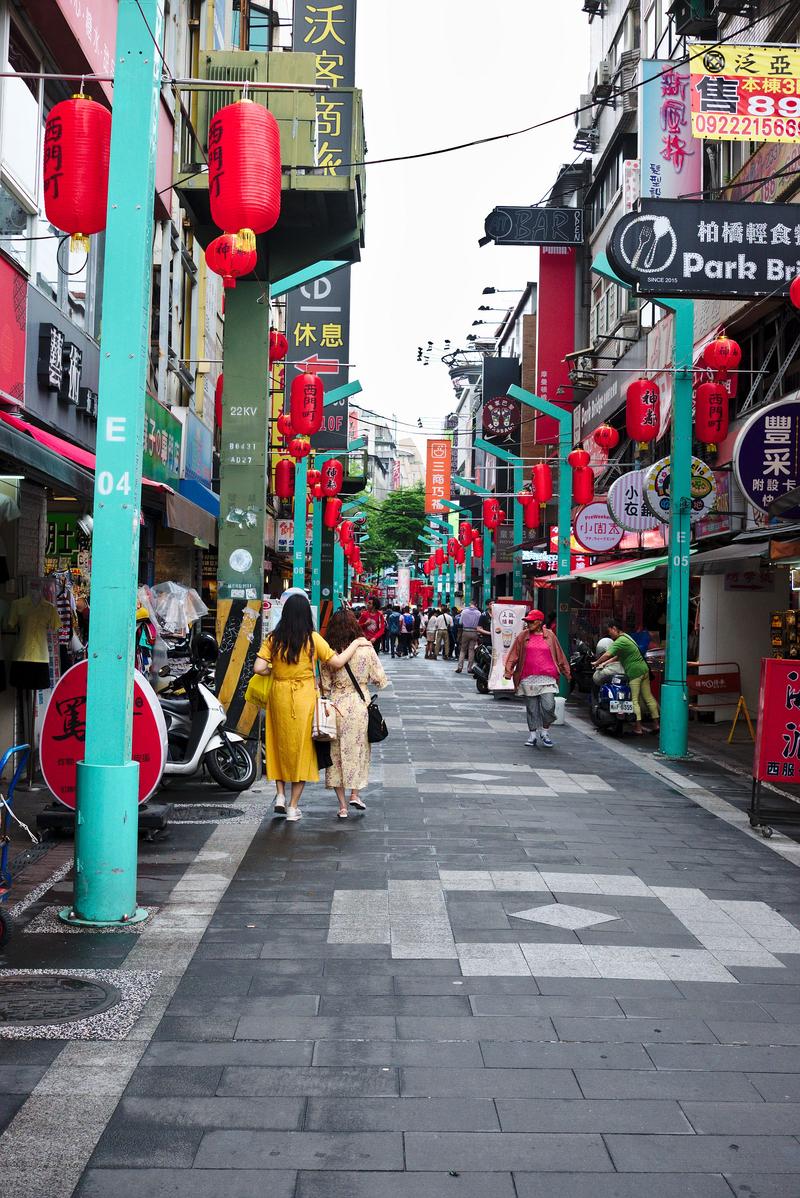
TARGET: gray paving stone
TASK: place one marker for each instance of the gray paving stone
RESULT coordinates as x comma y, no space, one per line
453,1055
145,1144
561,1055
486,1028
716,1154
290,1027
184,1183
635,1031
401,1114
405,1185
728,1032
501,1151
452,1004
364,1082
618,1115
300,1150
274,1052
182,1080
488,1083
743,1118
725,1057
757,1185
19,1079
777,1087
549,1005
616,1185
665,1084
272,1113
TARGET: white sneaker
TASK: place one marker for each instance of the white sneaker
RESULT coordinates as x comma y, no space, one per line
280,807
544,739
531,741
293,815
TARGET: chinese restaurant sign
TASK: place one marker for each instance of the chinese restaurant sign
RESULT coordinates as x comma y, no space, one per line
777,750
162,443
595,528
329,32
766,456
318,331
745,93
671,159
627,504
535,226
685,248
437,476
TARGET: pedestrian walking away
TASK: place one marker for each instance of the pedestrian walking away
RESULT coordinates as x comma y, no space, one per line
431,625
535,661
290,653
443,625
626,651
393,628
470,618
350,753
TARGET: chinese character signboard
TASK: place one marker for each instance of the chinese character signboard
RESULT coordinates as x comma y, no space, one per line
535,226
766,456
627,505
437,476
685,248
777,751
555,333
595,528
318,331
162,443
329,32
746,93
671,159
657,494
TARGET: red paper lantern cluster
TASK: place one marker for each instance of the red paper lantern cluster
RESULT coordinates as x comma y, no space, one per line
711,414
722,355
642,401
306,403
77,146
477,546
244,169
227,256
606,437
278,346
284,479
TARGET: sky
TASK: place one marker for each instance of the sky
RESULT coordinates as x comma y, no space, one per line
434,73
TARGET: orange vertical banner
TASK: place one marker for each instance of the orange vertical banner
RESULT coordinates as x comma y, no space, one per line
437,476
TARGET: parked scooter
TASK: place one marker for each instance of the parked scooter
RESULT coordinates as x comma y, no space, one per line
482,665
196,732
611,705
581,668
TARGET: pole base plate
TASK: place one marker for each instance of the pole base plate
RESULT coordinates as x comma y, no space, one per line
67,915
662,756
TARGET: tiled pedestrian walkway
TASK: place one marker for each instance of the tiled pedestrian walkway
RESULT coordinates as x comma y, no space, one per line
523,974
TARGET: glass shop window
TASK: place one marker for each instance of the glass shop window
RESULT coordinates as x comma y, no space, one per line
20,125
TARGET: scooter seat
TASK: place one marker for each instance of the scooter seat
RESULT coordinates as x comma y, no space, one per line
177,706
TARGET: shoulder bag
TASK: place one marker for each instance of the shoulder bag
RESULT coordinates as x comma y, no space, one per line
323,724
258,690
376,724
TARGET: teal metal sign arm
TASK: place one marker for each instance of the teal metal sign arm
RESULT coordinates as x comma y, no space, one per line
674,735
307,275
468,485
338,551
340,393
518,467
316,536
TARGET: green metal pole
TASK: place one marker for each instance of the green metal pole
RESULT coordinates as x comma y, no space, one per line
300,517
106,823
338,574
316,555
487,566
467,575
519,477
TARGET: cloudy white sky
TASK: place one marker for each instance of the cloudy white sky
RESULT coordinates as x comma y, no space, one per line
436,72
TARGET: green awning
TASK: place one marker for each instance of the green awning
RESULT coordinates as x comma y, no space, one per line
618,571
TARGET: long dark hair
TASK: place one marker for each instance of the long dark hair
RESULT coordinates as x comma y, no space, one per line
293,633
342,629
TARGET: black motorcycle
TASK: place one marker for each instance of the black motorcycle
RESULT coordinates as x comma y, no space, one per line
581,668
482,665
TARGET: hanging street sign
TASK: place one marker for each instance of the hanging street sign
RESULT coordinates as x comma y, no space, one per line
694,248
671,159
766,456
627,504
595,527
535,226
657,485
745,93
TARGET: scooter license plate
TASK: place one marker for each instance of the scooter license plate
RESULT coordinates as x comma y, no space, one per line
621,707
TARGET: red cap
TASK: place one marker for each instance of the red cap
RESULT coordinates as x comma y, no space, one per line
535,614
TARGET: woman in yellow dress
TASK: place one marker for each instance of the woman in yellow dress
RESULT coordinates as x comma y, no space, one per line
290,653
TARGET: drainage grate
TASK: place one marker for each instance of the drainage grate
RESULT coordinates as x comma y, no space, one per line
190,812
52,998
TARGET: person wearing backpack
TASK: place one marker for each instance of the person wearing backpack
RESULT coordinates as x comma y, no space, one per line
626,652
393,626
406,628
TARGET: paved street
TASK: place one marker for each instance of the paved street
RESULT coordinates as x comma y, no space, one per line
522,973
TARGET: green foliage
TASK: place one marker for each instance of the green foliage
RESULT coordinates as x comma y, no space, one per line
394,523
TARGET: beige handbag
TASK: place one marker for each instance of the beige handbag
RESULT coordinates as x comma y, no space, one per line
323,725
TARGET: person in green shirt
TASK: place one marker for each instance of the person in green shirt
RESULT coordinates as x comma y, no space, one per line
625,650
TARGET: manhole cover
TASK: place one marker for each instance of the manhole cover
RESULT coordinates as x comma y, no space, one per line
195,811
50,998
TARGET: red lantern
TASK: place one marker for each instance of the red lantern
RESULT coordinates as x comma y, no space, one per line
794,291
278,346
578,458
284,479
313,477
722,355
524,497
332,476
542,483
531,514
606,437
439,556
477,546
345,532
465,533
77,144
218,393
284,425
227,256
582,484
306,402
711,414
459,557
452,546
642,400
299,448
493,514
317,492
244,168
333,510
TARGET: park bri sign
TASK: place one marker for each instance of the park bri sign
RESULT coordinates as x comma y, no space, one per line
695,248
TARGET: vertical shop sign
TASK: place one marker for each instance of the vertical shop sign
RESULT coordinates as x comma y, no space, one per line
437,476
318,331
161,460
555,332
777,751
672,161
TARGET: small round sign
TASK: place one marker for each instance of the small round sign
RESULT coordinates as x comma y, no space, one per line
657,485
766,456
64,733
595,528
627,504
500,415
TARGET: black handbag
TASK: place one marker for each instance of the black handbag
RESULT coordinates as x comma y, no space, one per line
376,724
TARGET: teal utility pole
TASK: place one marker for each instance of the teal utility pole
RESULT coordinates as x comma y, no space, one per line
564,420
300,522
445,534
517,465
107,814
468,485
340,572
674,734
463,513
319,460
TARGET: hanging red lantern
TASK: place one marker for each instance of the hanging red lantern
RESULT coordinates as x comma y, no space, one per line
244,168
77,145
722,355
317,492
493,514
459,556
284,479
642,404
531,514
285,427
332,476
345,532
606,437
278,346
313,477
452,545
477,546
524,497
578,458
794,291
465,533
306,402
542,483
332,512
711,414
582,484
439,556
227,256
219,390
299,448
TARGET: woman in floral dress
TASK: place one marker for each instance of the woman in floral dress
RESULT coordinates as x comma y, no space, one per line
351,752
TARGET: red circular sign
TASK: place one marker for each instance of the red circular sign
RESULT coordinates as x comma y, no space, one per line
64,732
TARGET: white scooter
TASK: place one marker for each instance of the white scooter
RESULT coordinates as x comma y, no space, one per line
196,732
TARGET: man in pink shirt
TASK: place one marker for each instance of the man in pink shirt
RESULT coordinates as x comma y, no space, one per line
535,661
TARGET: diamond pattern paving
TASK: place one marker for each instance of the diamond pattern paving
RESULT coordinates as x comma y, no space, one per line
562,915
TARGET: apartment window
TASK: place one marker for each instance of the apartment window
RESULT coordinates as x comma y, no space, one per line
650,31
20,124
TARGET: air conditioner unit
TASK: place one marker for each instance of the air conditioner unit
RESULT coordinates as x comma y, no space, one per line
693,18
738,8
629,65
595,8
603,81
584,117
587,141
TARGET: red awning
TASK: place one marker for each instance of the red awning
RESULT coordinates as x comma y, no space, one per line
65,449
